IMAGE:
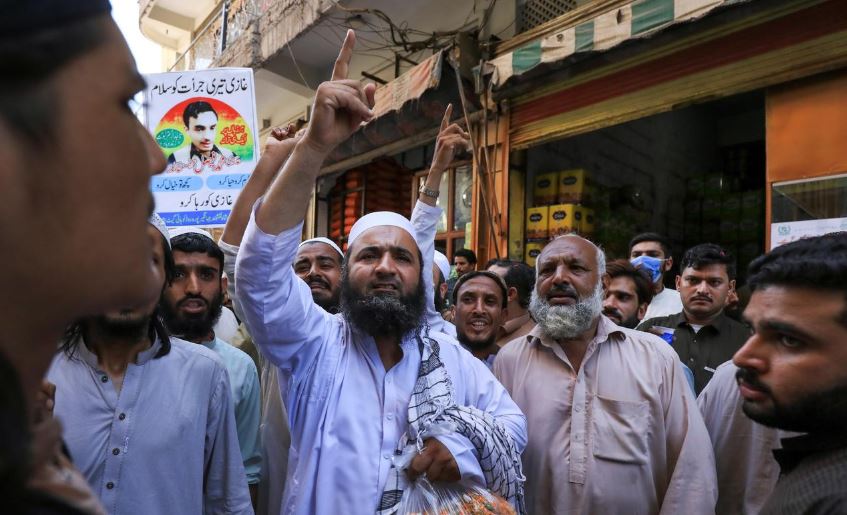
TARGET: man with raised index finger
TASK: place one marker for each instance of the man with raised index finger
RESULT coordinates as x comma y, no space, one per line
369,383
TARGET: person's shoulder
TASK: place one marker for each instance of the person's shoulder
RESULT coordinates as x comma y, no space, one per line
181,155
234,354
647,343
513,350
182,350
661,321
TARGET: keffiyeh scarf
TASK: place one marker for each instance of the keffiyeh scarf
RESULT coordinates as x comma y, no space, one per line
431,409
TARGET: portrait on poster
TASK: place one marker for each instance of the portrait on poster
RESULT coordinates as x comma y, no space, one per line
204,123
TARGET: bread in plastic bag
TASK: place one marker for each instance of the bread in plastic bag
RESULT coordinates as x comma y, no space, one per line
425,498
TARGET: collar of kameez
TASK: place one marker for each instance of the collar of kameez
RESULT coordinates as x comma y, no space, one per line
796,449
719,323
605,329
86,355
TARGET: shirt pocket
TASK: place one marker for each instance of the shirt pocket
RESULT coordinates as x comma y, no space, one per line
620,430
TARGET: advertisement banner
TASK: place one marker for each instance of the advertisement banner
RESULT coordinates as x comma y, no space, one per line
205,123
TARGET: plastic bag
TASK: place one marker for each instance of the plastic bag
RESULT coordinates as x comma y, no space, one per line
425,498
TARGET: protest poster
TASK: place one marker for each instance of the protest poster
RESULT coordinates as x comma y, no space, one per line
205,123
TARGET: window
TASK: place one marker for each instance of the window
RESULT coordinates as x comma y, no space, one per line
454,197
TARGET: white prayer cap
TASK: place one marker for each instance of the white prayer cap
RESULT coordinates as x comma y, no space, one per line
326,241
176,231
157,222
443,264
376,219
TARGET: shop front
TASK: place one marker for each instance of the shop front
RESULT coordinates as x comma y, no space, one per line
664,116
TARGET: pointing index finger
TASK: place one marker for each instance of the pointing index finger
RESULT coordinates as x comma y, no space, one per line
342,63
446,120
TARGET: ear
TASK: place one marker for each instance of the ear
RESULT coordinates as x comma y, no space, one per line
443,289
642,310
668,264
512,294
732,285
678,282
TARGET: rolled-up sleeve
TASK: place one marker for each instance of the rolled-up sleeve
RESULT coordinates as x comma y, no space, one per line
282,318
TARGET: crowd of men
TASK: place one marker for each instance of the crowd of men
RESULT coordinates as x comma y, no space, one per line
579,386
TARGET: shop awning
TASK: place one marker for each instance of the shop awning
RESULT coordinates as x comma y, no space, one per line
636,19
406,109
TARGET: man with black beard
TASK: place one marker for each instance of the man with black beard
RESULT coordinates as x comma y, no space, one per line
628,292
370,384
191,305
148,417
480,300
612,425
793,369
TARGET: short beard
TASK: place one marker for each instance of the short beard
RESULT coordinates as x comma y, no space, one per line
816,413
476,345
192,327
382,314
567,322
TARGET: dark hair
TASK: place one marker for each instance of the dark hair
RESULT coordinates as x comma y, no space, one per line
194,109
818,263
467,254
652,236
643,284
481,273
192,242
519,276
707,254
27,94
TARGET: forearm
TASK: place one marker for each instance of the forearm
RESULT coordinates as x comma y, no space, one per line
433,182
256,186
285,203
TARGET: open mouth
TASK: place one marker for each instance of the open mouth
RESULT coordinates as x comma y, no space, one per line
480,325
193,305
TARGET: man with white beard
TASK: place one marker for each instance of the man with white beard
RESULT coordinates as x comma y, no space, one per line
612,424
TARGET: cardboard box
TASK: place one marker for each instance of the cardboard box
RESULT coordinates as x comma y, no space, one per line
546,188
562,219
573,187
585,220
533,249
537,222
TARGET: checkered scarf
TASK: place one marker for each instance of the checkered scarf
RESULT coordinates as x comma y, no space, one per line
433,408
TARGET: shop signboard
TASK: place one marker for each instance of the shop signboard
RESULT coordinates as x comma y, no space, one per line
786,232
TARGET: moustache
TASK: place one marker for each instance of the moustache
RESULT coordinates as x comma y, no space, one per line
613,313
701,297
751,379
318,281
563,289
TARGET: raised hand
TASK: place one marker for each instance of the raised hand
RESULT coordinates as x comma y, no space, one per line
452,140
341,105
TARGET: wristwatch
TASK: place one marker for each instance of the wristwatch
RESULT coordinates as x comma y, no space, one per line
428,192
